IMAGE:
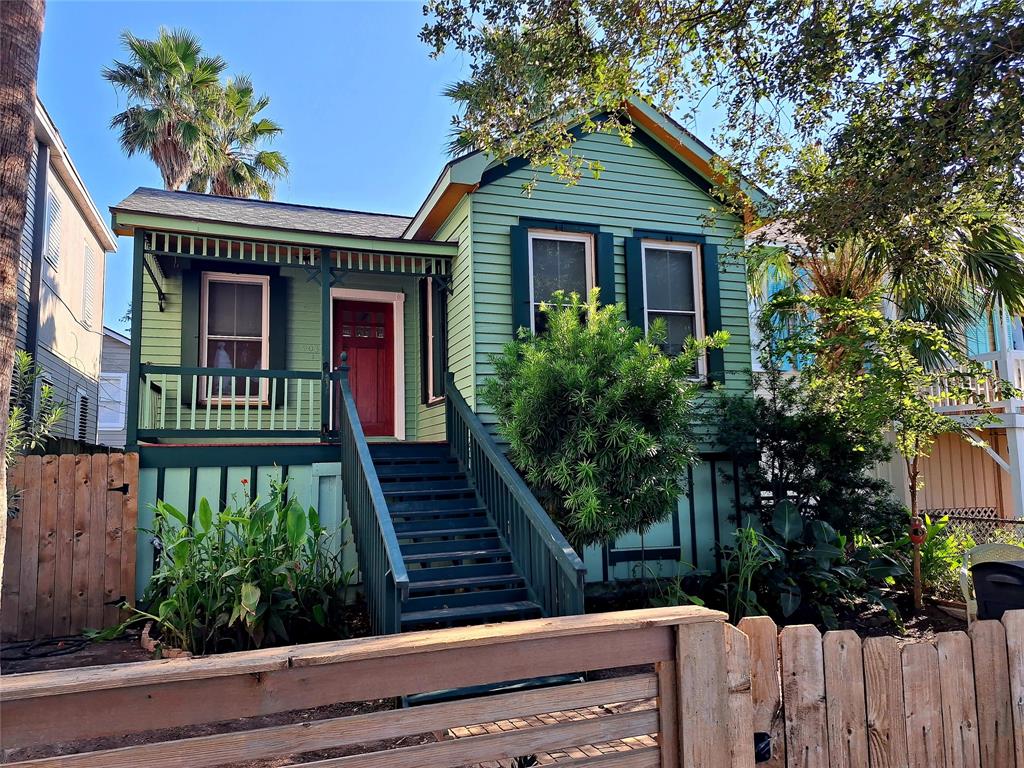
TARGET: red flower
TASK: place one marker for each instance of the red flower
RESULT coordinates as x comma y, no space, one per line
244,481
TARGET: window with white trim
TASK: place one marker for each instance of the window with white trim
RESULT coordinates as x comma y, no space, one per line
112,401
559,261
434,321
235,333
672,292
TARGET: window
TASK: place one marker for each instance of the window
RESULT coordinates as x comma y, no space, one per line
52,247
81,415
559,261
672,292
89,288
435,323
112,400
235,322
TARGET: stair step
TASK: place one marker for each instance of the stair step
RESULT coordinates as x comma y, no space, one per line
443,484
464,503
510,581
418,531
490,544
460,599
451,513
409,450
419,470
468,553
428,493
521,609
461,573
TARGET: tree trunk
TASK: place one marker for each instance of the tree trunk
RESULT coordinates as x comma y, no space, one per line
21,29
913,475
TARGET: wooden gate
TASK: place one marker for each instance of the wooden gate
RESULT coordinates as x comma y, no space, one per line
71,544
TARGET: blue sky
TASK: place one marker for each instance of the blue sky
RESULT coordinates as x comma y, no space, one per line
359,99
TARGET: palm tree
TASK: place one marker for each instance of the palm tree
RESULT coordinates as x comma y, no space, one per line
978,270
21,28
172,90
233,165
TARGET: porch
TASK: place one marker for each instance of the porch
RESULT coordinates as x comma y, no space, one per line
239,340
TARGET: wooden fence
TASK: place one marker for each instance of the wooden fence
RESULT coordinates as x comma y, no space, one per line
71,544
841,702
673,687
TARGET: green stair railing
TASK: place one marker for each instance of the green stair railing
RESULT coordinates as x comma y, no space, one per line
385,580
546,560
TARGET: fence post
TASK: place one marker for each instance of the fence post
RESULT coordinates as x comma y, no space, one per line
702,695
766,684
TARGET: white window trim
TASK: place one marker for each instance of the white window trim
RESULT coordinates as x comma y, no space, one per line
432,397
204,308
698,290
575,237
397,301
119,425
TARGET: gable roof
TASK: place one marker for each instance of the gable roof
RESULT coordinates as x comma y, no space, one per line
260,213
474,169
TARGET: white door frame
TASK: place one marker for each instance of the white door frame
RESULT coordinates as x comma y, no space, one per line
397,301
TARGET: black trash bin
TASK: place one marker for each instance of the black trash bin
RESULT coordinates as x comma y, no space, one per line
999,587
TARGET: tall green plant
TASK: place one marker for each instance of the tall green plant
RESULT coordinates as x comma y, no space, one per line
259,574
28,426
598,419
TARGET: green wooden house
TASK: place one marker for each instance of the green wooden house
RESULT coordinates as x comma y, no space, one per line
244,311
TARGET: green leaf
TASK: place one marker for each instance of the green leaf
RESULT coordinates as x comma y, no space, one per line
297,523
789,599
787,521
204,515
163,508
250,597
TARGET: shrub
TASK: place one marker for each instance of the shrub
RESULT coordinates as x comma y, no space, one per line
261,574
817,458
598,419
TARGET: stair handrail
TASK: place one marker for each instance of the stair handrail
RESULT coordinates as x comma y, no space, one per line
385,578
470,441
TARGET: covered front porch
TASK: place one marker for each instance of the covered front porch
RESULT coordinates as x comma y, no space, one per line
239,339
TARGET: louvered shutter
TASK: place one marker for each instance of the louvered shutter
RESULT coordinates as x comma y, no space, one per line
89,288
52,229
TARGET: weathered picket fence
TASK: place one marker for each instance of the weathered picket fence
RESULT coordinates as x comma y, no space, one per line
842,702
70,544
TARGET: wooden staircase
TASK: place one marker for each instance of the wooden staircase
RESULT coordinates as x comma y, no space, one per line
460,568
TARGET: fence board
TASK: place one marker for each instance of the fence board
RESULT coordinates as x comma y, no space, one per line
992,683
923,702
668,726
1013,623
741,706
803,690
67,553
765,684
47,545
65,545
29,511
844,690
959,708
12,576
883,691
704,702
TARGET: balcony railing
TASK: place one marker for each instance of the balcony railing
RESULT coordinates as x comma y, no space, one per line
986,391
183,402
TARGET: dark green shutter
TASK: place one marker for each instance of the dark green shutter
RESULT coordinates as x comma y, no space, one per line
713,311
606,267
278,338
190,287
522,309
636,302
424,341
437,354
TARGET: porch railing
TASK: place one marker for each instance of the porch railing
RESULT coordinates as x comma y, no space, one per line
1005,366
545,559
176,401
385,580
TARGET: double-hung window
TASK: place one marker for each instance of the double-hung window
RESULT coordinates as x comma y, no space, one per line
672,289
112,401
559,261
235,333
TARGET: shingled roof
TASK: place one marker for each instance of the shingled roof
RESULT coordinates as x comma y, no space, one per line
257,213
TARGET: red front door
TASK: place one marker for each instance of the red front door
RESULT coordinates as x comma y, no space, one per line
365,330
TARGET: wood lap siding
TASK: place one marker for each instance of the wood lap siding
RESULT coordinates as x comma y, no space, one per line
637,190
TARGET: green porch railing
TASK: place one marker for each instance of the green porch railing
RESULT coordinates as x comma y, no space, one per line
545,559
385,580
176,401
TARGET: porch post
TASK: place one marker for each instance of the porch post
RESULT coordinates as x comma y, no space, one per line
135,348
1015,446
325,342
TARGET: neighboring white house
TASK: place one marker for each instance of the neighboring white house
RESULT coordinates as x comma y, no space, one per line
113,391
60,280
